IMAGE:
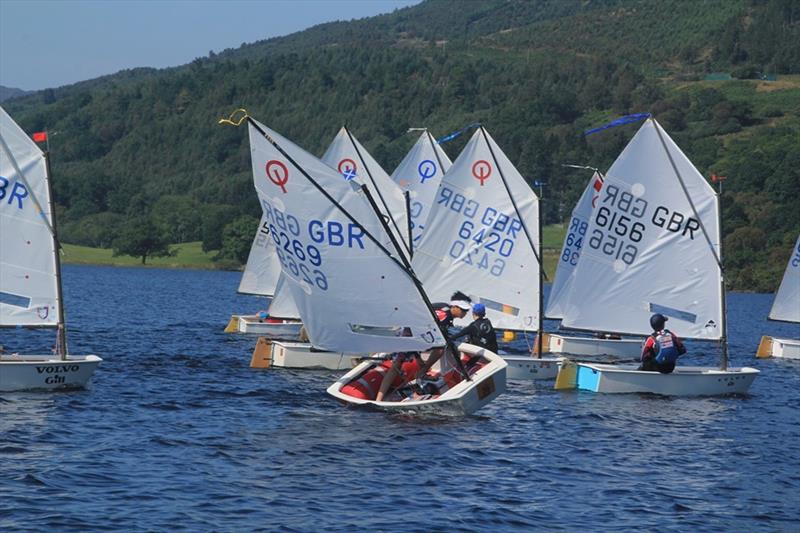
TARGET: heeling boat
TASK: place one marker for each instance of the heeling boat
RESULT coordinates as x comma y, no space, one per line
785,308
574,240
419,174
354,293
653,246
30,267
483,237
261,277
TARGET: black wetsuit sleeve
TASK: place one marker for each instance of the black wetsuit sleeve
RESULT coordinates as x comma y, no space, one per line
469,330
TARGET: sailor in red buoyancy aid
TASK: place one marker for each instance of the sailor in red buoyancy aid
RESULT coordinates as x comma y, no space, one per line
662,348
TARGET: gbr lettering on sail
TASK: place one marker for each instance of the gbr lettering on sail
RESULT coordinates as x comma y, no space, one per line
12,193
624,217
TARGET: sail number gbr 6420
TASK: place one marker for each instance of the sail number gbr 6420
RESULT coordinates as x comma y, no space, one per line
622,219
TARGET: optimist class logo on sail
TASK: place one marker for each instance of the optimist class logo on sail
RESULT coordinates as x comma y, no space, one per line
347,168
278,174
481,169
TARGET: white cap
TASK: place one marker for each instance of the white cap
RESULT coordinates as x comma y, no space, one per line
463,304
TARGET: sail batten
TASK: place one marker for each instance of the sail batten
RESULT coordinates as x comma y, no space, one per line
648,248
786,306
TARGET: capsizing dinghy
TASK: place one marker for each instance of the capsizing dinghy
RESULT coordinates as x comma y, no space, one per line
355,291
785,308
654,246
30,268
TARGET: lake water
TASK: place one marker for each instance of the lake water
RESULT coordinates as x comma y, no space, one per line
177,432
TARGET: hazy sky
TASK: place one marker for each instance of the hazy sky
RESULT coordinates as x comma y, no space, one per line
46,43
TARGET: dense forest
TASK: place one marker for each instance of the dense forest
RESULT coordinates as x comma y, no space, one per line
142,148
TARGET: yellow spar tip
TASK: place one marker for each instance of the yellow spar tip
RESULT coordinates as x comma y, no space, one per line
764,347
233,325
567,377
262,355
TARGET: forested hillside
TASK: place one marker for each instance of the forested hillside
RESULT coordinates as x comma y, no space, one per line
142,148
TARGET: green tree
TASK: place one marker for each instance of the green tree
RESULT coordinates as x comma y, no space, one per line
141,238
237,238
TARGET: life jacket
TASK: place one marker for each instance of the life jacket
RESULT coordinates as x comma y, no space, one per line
664,347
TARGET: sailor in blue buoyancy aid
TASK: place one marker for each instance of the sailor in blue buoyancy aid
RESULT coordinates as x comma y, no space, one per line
662,348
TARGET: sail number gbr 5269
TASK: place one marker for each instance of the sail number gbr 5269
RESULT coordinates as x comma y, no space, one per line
621,221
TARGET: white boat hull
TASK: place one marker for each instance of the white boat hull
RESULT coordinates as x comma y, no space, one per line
302,355
41,372
464,398
683,381
587,346
526,367
772,347
285,329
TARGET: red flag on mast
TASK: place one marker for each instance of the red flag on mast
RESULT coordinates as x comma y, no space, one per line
40,136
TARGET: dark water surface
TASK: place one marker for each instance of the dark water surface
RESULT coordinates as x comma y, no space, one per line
177,432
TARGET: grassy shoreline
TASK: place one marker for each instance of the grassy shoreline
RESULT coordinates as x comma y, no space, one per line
191,255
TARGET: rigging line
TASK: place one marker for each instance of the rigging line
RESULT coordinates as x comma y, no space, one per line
435,151
325,193
514,203
377,189
688,198
24,180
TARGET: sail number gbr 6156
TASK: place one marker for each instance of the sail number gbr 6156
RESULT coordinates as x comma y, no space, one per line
621,222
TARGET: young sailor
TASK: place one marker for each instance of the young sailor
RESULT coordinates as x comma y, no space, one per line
662,347
409,365
480,332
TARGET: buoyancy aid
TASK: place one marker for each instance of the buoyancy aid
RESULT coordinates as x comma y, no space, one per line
664,347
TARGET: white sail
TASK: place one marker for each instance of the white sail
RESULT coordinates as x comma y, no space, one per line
352,295
571,251
260,276
787,300
476,241
354,163
645,250
28,282
419,173
282,304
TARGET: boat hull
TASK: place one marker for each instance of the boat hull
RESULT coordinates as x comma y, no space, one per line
299,355
464,398
526,367
285,329
41,372
587,346
683,381
772,347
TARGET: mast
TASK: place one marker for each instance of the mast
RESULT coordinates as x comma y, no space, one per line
724,340
61,332
541,283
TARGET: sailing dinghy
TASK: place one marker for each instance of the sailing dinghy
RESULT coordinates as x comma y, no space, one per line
30,267
261,277
483,237
653,246
562,284
354,293
785,308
